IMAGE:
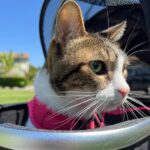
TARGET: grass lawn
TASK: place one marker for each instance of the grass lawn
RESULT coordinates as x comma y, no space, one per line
8,96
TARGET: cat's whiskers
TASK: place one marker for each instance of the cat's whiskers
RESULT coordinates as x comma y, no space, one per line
130,108
133,107
97,107
130,36
138,102
141,50
138,111
74,116
74,93
126,113
69,108
103,106
136,46
81,115
134,92
122,107
80,98
61,96
138,95
81,92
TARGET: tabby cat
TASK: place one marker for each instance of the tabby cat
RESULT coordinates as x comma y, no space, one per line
84,72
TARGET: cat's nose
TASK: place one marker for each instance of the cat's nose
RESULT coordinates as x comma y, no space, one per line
123,91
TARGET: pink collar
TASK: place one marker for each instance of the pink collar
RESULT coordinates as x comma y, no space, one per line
43,117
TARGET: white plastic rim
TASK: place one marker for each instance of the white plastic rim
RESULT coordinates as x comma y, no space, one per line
108,138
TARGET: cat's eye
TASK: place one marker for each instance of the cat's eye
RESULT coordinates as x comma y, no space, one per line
98,67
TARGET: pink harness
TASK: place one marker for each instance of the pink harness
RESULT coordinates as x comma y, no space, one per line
43,117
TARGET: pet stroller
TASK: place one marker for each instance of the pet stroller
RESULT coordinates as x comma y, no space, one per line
133,134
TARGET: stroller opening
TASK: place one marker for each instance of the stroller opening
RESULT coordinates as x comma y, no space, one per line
126,128
99,15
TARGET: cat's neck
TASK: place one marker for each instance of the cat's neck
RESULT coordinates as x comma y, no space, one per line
44,90
46,94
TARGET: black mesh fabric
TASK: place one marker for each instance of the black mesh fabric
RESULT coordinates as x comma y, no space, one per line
112,2
135,21
2,148
15,114
132,12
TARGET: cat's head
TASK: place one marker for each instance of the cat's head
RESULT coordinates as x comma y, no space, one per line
91,65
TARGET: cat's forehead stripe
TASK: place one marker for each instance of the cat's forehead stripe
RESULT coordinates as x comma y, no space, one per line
99,48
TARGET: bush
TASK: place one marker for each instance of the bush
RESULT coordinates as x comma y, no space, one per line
12,82
32,72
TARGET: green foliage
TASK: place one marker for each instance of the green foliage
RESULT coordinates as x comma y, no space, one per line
32,72
7,62
13,82
11,74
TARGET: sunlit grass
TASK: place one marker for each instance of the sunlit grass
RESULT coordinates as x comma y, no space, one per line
8,96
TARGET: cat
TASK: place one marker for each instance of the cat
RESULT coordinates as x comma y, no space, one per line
84,72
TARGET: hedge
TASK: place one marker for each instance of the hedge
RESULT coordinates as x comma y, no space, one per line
13,82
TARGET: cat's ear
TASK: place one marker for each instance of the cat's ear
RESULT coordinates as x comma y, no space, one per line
69,22
115,33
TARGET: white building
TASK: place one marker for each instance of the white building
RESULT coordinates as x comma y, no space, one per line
21,65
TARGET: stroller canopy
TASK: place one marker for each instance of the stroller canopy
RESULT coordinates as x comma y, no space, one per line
99,15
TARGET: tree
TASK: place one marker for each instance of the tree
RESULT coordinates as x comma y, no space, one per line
32,72
7,63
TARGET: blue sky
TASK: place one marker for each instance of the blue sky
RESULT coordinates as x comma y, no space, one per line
19,28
